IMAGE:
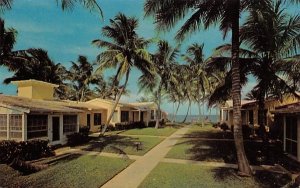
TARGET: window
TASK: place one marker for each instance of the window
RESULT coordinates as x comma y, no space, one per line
3,126
226,115
152,114
291,135
97,119
15,123
124,116
37,126
115,116
251,120
70,123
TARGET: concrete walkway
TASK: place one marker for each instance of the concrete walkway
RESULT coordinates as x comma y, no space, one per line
135,173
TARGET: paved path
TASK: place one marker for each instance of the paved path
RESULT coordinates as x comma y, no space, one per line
135,173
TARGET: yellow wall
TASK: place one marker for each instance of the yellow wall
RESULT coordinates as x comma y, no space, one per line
36,92
107,105
93,127
270,106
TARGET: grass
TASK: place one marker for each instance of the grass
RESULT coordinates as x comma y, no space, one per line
121,144
207,131
166,131
187,175
76,171
196,146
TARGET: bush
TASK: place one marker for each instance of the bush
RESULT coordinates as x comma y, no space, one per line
224,126
247,131
216,125
77,138
11,151
129,125
84,130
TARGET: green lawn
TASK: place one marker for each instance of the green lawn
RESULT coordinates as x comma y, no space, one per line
207,131
76,171
121,144
187,175
194,149
166,131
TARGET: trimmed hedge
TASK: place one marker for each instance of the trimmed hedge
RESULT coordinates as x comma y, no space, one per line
129,125
11,151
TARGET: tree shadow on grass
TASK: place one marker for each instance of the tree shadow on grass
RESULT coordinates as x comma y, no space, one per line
211,134
258,153
110,143
263,179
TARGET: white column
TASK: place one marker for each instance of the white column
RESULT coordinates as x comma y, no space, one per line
61,127
139,118
7,128
77,128
221,115
284,133
50,128
24,127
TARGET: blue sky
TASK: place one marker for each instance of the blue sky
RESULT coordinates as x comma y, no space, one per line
65,35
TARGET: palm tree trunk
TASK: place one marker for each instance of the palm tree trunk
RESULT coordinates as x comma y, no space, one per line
82,95
177,111
200,111
158,106
243,164
261,116
116,103
187,112
173,110
1,39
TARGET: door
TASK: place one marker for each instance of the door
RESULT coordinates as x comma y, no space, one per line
142,116
88,120
55,129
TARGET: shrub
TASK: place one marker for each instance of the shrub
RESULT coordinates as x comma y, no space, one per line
11,151
216,125
247,131
129,125
224,126
84,130
77,138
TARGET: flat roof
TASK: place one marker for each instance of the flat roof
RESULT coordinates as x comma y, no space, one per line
33,82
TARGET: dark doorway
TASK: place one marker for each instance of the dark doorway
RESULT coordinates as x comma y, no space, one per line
142,116
88,120
55,129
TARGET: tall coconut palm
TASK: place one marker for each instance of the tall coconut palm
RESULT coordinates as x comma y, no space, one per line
272,37
278,38
162,60
207,12
124,50
195,57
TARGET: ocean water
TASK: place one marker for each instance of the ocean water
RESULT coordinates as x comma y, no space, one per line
194,118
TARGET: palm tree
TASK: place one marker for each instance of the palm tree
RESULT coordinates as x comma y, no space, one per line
278,39
200,80
34,59
162,60
123,51
205,13
81,76
272,38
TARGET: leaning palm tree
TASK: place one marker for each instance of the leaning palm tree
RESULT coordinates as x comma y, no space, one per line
207,12
162,60
123,51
